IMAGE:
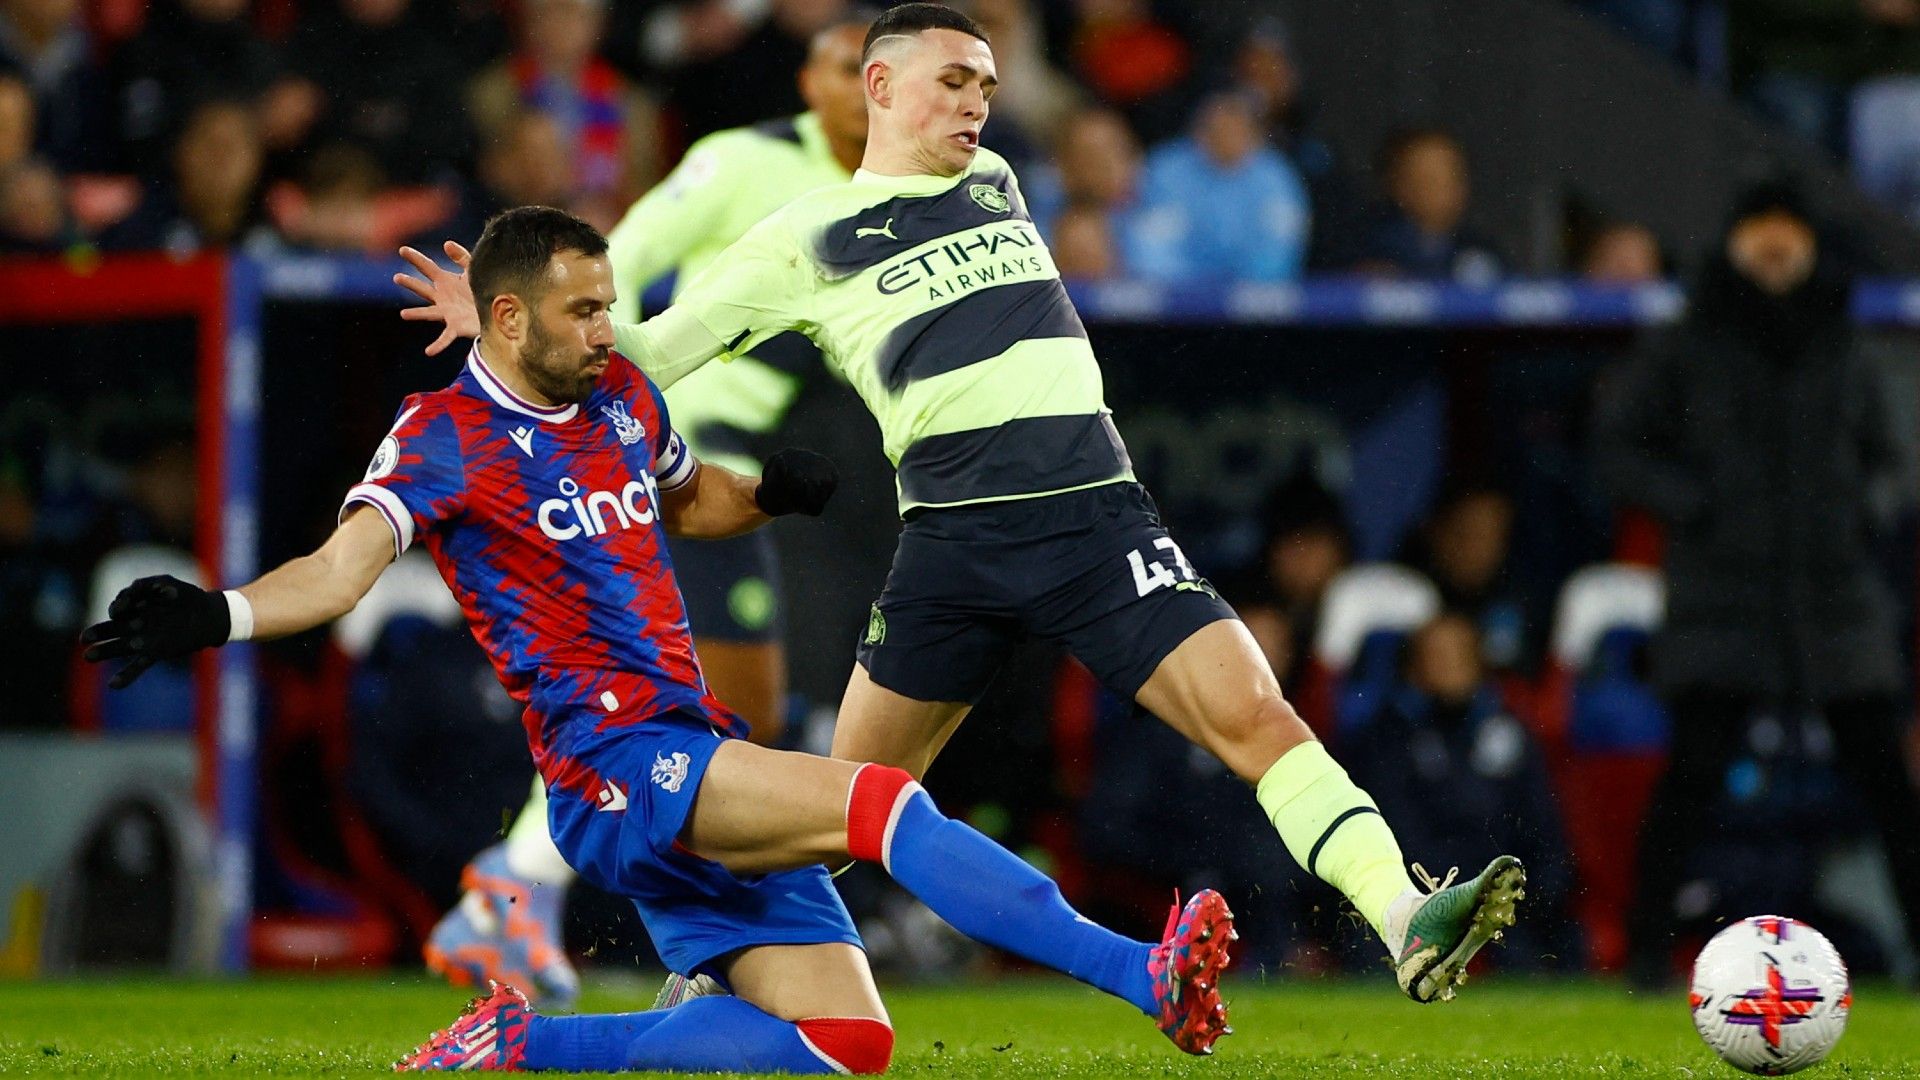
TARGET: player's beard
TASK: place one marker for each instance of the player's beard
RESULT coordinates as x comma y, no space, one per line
561,375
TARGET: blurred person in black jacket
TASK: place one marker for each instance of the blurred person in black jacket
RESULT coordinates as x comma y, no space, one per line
1759,433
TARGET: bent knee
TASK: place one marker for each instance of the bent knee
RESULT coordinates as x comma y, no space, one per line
860,1045
1266,720
1251,738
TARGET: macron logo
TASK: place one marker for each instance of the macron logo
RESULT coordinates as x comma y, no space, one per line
523,438
612,799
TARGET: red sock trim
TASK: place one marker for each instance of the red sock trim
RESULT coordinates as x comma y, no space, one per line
872,807
850,1044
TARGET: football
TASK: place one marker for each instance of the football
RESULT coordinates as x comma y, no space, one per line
1770,995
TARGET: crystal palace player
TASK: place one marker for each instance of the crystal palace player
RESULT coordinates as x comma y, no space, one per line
507,925
543,482
925,284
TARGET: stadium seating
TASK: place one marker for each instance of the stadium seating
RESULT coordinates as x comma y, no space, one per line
1605,734
1365,620
167,698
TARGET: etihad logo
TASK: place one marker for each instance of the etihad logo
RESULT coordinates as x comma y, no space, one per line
596,513
988,255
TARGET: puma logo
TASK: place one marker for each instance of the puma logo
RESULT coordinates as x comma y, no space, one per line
884,230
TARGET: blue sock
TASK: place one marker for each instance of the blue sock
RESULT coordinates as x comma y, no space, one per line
708,1034
989,894
586,1043
722,1034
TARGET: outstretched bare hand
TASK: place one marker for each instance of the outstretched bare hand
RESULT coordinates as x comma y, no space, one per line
449,299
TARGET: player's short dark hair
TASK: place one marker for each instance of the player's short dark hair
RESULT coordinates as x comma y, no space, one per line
908,20
517,245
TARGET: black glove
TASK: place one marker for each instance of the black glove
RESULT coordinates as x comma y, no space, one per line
154,619
796,481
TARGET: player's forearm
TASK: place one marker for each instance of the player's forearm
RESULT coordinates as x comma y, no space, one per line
715,504
299,595
316,589
668,347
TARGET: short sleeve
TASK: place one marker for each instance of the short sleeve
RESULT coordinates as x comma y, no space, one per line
417,477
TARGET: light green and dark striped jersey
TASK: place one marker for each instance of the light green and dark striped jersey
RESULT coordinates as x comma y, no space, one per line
936,299
727,183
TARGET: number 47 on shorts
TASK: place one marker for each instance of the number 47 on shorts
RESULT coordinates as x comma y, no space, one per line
1150,573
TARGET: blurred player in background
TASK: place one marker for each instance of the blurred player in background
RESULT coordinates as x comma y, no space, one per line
543,482
508,925
926,285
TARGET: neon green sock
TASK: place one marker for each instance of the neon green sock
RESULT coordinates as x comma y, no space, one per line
530,850
1334,829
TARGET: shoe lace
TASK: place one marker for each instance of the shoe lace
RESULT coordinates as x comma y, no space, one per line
1173,917
1429,882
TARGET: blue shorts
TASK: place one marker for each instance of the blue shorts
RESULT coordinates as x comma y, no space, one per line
731,587
623,836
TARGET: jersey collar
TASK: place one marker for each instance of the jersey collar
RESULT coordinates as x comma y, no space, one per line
921,184
491,385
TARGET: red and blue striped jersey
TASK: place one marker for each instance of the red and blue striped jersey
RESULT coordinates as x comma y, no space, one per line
545,523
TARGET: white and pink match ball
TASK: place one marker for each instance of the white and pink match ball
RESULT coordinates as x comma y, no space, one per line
1770,995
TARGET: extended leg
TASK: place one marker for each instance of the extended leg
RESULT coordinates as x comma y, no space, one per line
1217,690
761,811
805,1009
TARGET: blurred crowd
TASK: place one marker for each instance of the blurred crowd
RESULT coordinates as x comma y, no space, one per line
355,125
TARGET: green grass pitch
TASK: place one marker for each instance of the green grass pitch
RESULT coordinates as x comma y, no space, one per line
1014,1028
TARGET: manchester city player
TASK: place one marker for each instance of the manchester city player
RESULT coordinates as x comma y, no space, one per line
544,482
925,285
507,926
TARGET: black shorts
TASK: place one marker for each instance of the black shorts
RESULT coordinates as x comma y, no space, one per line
731,586
1094,570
